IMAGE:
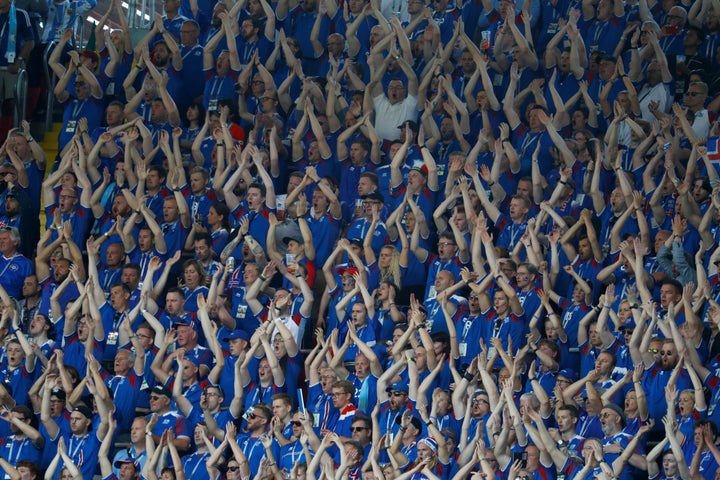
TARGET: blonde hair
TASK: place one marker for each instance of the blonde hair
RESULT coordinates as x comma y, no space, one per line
392,273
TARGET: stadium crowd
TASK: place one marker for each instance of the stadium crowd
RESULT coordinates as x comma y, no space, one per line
377,239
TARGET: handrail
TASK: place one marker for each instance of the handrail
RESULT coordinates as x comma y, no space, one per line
50,82
21,87
79,31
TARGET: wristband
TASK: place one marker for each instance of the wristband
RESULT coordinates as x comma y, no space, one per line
263,277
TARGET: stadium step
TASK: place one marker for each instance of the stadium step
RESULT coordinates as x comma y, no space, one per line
49,144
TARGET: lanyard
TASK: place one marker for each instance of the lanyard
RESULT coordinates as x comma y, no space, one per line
79,442
216,87
599,33
254,444
390,421
529,140
78,107
498,326
199,461
14,442
467,323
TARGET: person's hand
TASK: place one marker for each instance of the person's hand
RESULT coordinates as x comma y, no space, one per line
266,440
515,469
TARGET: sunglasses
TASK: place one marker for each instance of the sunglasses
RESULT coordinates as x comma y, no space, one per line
358,429
233,469
297,424
397,393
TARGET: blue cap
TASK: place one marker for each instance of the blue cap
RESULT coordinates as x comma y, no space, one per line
629,323
235,334
569,374
119,463
397,386
186,321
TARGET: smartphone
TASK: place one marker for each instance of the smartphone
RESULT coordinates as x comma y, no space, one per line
522,456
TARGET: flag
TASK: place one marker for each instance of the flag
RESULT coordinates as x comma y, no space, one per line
713,148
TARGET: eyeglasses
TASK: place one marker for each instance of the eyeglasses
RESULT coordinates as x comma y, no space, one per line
211,394
666,353
397,393
480,400
358,429
234,468
694,94
252,415
653,350
607,414
154,398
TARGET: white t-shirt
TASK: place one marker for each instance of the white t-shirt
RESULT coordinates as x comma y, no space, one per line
388,117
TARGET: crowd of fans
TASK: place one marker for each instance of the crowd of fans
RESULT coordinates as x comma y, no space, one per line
379,239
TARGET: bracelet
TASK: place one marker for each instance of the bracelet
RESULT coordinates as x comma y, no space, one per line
272,464
132,336
563,182
148,434
490,184
30,140
263,277
468,376
428,423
